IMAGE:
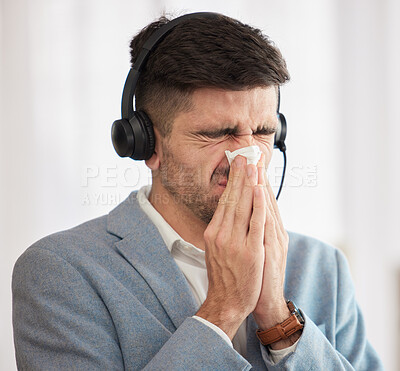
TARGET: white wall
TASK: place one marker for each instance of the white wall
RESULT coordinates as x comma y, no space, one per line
370,60
63,65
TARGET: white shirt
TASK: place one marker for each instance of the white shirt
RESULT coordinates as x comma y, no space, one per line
191,261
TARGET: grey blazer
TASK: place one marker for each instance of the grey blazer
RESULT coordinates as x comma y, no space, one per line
107,295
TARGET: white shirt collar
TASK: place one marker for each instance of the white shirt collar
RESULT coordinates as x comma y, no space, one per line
171,238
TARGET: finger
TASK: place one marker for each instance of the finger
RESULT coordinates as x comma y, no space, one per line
237,175
269,194
220,210
260,169
270,232
262,179
273,204
257,220
244,207
223,200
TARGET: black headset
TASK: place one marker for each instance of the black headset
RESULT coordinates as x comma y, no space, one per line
133,135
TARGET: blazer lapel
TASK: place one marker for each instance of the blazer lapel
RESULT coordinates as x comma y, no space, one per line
143,247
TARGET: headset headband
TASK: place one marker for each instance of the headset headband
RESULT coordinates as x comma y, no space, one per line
149,45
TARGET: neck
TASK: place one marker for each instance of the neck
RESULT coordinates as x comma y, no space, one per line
178,216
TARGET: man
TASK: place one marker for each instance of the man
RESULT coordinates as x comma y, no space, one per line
195,271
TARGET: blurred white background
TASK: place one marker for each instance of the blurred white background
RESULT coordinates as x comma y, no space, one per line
63,66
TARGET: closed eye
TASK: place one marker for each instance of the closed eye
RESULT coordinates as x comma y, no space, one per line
217,134
265,131
221,133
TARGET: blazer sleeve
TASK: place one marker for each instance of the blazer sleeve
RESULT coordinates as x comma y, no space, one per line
347,349
61,323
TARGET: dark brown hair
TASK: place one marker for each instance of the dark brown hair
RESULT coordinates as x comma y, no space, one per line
198,53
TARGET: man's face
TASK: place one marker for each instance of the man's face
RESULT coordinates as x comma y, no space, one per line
193,165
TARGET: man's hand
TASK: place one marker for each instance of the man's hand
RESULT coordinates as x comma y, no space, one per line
235,250
271,308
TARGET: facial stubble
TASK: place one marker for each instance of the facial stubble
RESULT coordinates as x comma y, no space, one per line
184,183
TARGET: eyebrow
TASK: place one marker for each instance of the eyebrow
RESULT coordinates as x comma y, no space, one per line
219,133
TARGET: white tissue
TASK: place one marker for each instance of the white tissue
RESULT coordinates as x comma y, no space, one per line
252,153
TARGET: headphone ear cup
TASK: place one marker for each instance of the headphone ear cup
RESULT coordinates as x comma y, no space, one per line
280,135
146,139
122,138
134,138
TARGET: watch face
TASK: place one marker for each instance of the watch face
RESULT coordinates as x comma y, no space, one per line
299,317
294,310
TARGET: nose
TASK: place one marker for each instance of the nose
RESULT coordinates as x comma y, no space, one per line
240,141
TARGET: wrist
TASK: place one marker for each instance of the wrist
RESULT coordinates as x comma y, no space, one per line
271,315
284,333
228,320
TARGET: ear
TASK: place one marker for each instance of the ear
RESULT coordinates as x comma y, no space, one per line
154,161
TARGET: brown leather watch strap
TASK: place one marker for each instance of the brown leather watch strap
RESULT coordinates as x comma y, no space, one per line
281,331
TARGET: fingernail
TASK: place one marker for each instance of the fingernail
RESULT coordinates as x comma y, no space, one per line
238,161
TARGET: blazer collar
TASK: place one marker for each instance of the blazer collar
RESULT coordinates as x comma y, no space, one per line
143,247
122,219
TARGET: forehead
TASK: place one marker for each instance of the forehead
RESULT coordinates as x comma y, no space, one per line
215,108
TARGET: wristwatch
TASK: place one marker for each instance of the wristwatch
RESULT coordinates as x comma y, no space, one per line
284,329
